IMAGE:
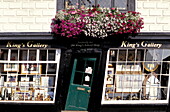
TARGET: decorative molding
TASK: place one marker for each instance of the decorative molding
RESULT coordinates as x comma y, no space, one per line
26,36
152,36
49,36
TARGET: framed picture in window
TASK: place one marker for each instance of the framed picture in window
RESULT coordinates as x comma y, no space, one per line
21,95
128,82
39,94
10,84
109,77
11,67
31,69
12,77
26,85
5,92
44,81
24,78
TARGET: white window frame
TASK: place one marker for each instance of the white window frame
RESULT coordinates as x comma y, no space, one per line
103,101
37,61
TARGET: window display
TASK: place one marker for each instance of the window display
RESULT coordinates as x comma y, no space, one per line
136,76
28,75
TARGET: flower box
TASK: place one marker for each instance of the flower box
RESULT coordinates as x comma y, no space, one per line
95,22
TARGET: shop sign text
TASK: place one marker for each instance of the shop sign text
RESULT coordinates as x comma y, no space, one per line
29,44
143,44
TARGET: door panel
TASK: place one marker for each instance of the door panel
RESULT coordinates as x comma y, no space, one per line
80,84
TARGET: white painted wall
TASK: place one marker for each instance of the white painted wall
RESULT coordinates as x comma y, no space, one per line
156,14
26,15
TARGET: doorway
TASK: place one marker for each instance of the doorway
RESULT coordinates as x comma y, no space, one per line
80,84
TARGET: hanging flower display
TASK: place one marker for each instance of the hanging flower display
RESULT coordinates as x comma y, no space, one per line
95,22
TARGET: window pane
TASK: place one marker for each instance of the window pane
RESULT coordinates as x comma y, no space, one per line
14,55
32,55
24,55
51,55
4,54
80,65
120,4
131,55
43,55
87,3
52,67
122,55
105,3
78,78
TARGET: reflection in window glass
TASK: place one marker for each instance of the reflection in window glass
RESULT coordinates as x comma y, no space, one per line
4,54
43,56
32,55
51,55
121,4
14,55
137,75
24,55
103,3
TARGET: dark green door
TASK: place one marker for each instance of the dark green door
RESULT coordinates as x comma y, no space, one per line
80,84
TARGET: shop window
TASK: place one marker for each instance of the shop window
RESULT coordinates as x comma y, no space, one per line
28,75
123,5
137,76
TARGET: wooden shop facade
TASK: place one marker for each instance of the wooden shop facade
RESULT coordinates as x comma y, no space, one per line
40,73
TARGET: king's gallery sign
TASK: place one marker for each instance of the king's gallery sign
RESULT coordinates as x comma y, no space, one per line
143,44
29,44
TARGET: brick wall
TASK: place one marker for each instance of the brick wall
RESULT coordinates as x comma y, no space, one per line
36,15
26,15
156,14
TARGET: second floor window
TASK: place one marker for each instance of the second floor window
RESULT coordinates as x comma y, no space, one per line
122,5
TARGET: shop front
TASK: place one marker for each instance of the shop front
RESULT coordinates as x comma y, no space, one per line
137,75
95,75
28,73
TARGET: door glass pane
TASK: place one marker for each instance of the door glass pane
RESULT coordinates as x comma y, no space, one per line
80,65
120,4
87,79
90,64
78,78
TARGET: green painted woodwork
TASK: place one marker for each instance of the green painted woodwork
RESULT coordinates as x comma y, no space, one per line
80,84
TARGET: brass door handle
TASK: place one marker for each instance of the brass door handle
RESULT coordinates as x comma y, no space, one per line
88,91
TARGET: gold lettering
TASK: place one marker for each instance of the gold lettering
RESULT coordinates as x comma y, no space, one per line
124,44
